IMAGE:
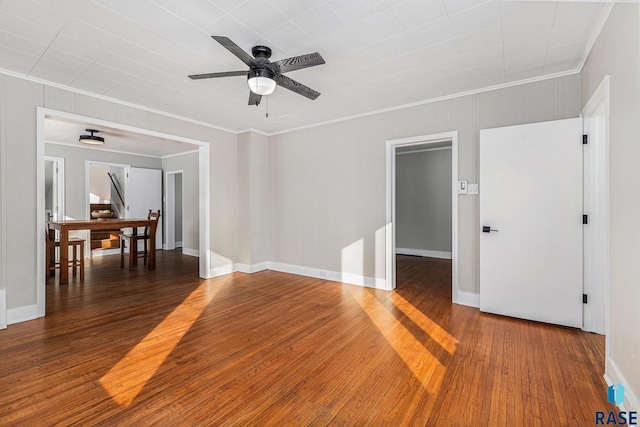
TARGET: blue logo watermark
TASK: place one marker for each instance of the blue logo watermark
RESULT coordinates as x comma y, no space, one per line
615,396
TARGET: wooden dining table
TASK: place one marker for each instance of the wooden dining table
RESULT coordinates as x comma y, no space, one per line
99,224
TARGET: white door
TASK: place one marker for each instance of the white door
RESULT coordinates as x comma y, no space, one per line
143,191
531,195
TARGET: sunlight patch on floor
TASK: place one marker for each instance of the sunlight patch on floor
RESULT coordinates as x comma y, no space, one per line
425,367
128,377
439,335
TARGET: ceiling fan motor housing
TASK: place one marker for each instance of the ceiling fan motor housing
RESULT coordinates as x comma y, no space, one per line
259,52
260,72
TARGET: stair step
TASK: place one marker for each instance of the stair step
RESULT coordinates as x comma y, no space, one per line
105,243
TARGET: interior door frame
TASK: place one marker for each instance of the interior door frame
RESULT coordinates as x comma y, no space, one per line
596,239
88,252
390,223
170,204
59,183
204,190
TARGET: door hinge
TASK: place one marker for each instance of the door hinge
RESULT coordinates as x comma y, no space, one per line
585,139
585,299
585,219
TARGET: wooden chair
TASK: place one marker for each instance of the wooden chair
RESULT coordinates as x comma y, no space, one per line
133,239
77,261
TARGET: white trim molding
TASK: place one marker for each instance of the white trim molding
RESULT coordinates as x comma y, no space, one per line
95,253
334,276
191,252
253,268
3,308
22,314
221,271
299,270
613,375
468,298
390,239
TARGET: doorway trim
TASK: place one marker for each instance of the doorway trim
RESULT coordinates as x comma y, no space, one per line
595,117
88,252
170,203
390,228
60,194
203,178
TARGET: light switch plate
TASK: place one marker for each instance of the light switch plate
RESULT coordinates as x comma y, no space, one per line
472,188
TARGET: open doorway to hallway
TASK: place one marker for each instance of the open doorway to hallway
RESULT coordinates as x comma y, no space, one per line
422,203
423,210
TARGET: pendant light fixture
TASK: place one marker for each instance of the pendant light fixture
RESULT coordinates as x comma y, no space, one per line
91,139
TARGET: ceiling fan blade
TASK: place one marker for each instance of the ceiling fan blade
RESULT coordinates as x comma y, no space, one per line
212,75
254,98
298,62
236,50
296,87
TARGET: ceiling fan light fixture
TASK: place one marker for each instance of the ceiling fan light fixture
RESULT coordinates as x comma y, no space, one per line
261,81
91,139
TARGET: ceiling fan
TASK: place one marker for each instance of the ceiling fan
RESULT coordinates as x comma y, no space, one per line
264,75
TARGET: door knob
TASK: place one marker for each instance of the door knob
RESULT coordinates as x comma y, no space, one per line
487,229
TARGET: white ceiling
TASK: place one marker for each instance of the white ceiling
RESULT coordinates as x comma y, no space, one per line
379,54
66,132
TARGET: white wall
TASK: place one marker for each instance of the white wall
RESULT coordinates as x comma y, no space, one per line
617,54
253,200
423,202
19,99
99,184
188,164
328,182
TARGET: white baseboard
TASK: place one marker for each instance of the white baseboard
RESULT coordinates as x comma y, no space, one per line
613,375
191,252
3,308
423,252
251,268
104,252
221,271
467,298
177,245
22,314
335,276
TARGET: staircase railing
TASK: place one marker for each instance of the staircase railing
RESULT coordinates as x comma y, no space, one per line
115,186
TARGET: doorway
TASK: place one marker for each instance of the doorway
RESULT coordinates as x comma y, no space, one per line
447,139
423,200
203,174
105,184
173,210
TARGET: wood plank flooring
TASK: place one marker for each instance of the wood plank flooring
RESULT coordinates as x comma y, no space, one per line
164,347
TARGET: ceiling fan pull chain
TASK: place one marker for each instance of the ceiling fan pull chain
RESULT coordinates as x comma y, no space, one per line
267,114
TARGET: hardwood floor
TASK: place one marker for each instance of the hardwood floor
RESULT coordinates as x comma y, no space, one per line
164,347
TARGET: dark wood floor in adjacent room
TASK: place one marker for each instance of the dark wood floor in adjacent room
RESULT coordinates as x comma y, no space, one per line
164,347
